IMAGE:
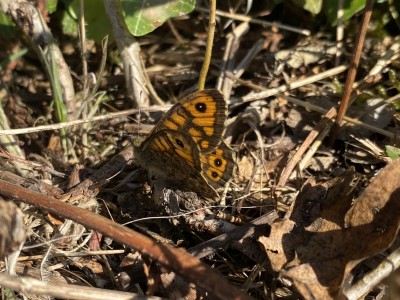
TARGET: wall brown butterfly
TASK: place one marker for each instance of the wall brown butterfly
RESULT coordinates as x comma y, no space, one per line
185,149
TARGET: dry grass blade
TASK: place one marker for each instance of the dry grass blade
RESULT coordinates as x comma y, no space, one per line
64,291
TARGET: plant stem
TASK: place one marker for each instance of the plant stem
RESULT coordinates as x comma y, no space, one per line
210,42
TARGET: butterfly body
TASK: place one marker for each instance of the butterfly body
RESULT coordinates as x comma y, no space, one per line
185,148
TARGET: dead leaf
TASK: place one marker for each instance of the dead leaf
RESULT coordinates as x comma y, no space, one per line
295,58
322,238
12,231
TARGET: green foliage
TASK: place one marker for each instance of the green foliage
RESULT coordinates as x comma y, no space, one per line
394,79
51,6
392,152
9,294
98,24
337,86
350,8
313,6
7,27
13,57
330,7
381,91
143,16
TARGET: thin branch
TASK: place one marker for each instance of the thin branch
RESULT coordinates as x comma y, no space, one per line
175,259
351,75
63,291
290,166
371,279
257,21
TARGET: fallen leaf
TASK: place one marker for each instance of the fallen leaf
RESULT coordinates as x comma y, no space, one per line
323,237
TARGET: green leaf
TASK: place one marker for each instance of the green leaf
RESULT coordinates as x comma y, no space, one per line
51,6
69,23
350,8
97,22
143,16
7,26
13,57
392,152
313,6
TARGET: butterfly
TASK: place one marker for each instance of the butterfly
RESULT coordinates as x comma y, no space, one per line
185,149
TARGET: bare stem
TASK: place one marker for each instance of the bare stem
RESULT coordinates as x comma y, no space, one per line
210,42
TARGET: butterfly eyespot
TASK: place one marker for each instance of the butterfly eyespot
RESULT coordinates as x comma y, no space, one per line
218,162
214,174
179,143
201,107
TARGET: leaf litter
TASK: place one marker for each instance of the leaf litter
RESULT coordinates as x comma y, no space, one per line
335,214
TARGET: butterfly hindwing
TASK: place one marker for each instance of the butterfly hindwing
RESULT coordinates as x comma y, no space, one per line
174,158
218,165
173,144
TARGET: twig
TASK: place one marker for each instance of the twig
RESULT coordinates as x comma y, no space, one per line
177,260
79,122
10,143
82,30
351,75
256,21
313,148
347,119
225,83
294,85
299,153
234,236
103,175
73,254
64,291
371,279
390,56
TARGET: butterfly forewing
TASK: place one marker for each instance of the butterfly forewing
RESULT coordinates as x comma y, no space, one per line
201,114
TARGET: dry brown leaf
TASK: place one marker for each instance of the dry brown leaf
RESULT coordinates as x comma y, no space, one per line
12,231
245,169
322,238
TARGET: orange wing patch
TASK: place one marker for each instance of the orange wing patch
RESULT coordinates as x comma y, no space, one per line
201,107
161,144
204,145
216,164
194,133
183,148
